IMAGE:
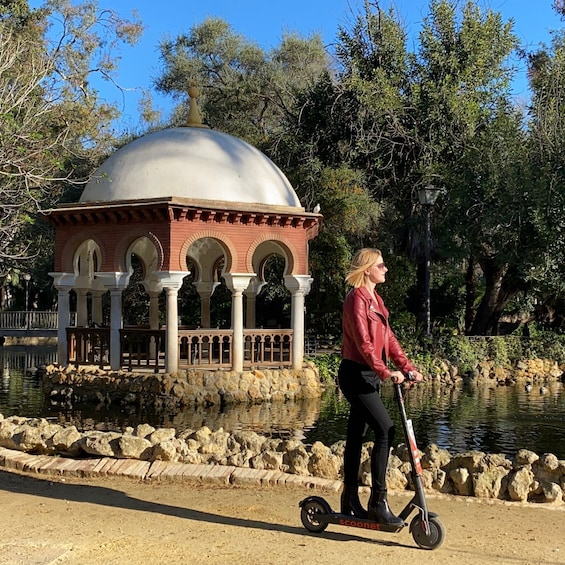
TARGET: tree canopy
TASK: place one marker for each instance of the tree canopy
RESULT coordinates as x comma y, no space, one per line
54,128
358,128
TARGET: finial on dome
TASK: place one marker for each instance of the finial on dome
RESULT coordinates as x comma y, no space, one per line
194,118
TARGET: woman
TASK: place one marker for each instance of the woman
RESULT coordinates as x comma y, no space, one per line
368,343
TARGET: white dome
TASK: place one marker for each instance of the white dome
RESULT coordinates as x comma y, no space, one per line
193,163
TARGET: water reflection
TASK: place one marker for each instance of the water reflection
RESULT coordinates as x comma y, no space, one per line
488,418
277,419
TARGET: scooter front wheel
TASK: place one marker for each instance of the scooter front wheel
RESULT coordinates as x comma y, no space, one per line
427,538
311,511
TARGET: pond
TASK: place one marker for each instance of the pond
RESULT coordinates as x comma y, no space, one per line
483,417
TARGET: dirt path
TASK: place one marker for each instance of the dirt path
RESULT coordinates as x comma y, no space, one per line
124,521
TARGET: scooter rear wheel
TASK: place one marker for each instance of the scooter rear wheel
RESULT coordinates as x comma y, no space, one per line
431,539
310,515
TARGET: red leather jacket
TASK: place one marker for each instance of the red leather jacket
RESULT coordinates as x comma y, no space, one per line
367,336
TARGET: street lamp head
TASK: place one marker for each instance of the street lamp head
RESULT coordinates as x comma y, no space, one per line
427,195
27,277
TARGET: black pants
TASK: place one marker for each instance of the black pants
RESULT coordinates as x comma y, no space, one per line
361,386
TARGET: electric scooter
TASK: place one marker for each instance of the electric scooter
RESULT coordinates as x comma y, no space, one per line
426,529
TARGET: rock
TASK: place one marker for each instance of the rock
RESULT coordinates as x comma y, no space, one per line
552,492
434,457
144,430
132,447
490,483
462,481
217,443
323,463
30,439
297,461
66,441
521,483
165,451
100,443
270,460
525,457
161,434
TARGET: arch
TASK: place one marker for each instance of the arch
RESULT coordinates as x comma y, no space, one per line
122,249
72,246
287,250
225,243
147,252
86,259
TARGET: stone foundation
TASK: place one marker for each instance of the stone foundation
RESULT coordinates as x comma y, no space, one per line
186,388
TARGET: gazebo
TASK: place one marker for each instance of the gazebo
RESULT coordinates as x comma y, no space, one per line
185,200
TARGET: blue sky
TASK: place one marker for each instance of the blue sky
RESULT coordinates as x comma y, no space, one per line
266,22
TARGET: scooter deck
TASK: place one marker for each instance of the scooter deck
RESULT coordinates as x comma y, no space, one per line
328,516
362,523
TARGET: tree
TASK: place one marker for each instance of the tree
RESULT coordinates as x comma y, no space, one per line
246,91
409,119
546,152
55,130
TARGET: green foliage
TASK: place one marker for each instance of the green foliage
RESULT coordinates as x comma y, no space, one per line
328,365
359,134
55,130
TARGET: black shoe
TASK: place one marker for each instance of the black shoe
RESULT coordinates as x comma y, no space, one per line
380,512
350,503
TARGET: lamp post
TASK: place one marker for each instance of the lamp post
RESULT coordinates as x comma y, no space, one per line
27,278
427,197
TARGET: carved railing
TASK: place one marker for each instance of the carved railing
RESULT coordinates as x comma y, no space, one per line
31,321
88,346
213,348
22,320
267,348
205,347
142,348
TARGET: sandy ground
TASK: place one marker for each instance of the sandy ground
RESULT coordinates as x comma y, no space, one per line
124,521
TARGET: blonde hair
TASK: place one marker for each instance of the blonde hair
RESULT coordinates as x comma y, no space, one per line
364,259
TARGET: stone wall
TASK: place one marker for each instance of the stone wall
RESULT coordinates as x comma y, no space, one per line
532,370
526,477
184,388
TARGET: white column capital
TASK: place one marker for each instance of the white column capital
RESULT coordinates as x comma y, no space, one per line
170,279
298,283
205,288
254,287
62,281
238,282
114,280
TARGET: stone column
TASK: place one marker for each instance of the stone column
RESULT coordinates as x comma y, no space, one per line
251,293
171,281
153,321
63,282
205,290
116,324
237,283
299,287
97,314
116,283
154,309
82,307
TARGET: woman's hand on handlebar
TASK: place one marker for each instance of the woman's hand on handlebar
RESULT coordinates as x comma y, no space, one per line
397,377
417,377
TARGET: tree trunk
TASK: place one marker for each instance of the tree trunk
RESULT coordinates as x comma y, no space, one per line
471,291
499,290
